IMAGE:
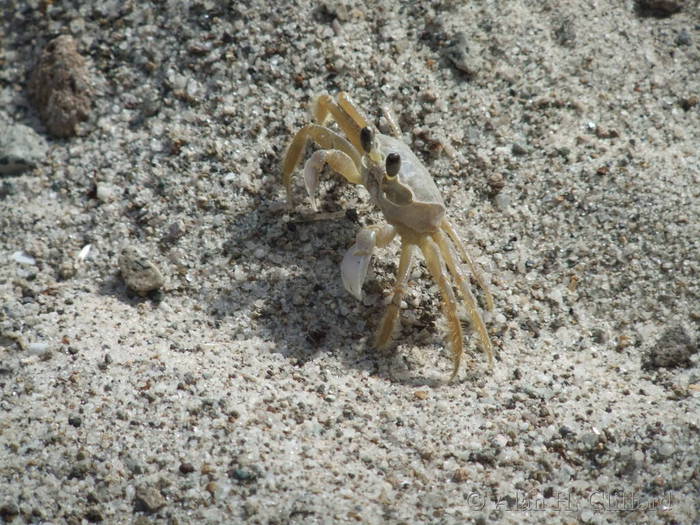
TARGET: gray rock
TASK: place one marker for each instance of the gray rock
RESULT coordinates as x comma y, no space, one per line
661,7
21,148
139,273
149,500
465,55
60,86
673,349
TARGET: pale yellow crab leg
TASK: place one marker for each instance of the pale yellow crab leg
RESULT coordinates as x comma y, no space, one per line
473,267
386,329
469,300
324,106
352,109
391,121
326,139
436,266
338,161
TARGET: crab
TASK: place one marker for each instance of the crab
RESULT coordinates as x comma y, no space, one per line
401,187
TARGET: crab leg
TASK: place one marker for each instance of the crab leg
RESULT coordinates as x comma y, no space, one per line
326,139
386,329
324,105
357,258
473,267
339,161
393,125
469,300
351,109
436,266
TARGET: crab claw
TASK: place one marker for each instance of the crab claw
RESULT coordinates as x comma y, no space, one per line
312,168
356,262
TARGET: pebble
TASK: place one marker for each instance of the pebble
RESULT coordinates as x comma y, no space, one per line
186,468
106,192
37,348
149,500
23,258
60,87
464,57
673,349
519,149
21,148
139,273
9,511
662,7
683,38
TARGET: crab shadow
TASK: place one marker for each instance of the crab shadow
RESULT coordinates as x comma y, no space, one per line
306,313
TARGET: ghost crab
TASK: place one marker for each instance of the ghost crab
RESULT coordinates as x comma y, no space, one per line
401,187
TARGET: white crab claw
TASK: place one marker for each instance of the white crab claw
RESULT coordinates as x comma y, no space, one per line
354,271
312,168
356,262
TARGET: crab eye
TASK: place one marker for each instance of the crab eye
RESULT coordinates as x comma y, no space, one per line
366,139
393,164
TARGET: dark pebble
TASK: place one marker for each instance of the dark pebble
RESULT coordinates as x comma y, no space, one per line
9,511
186,468
683,38
94,516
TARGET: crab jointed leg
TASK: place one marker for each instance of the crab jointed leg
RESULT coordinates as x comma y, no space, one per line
345,113
339,162
469,300
386,329
326,139
473,267
436,267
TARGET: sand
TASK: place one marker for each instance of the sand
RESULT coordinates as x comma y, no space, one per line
563,137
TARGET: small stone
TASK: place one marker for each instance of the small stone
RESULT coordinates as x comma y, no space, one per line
464,57
661,8
690,102
588,441
460,475
60,86
496,182
606,133
21,148
106,192
186,468
243,475
175,231
9,511
139,273
672,350
93,515
7,189
565,34
664,451
683,38
519,149
148,500
75,421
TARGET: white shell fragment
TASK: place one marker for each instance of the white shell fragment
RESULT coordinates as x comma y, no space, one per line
139,273
84,252
23,258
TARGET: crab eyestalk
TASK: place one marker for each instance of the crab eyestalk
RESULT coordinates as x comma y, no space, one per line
393,164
